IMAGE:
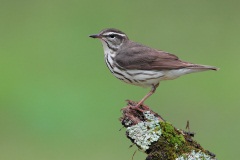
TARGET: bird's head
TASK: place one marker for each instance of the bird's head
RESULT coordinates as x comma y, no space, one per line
111,38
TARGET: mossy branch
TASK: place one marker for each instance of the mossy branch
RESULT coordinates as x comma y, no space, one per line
159,139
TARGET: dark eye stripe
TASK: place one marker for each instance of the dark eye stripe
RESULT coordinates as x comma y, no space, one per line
112,36
115,34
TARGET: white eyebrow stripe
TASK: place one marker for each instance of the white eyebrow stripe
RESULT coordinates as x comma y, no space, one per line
109,33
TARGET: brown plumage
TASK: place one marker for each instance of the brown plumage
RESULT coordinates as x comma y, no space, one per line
141,57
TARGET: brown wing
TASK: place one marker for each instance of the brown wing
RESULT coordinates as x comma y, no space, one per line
144,58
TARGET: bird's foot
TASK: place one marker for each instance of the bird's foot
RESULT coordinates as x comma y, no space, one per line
137,106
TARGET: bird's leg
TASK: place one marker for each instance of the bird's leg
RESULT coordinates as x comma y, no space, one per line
154,87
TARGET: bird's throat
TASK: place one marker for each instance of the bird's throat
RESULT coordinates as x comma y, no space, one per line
107,49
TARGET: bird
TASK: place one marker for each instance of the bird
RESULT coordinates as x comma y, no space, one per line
140,65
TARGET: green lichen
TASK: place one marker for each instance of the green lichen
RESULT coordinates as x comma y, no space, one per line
195,156
146,132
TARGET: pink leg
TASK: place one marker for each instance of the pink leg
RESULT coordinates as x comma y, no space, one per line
154,87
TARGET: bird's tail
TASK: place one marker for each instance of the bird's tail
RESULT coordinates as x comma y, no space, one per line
191,68
202,67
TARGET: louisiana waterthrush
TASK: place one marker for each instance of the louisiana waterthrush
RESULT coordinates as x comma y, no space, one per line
140,65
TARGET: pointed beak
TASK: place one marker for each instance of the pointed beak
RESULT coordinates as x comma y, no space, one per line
95,36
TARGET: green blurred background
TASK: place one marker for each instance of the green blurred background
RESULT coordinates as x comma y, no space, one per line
58,101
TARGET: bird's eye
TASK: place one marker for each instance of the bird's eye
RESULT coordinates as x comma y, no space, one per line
112,36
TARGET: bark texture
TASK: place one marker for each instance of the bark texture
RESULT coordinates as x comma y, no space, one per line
159,139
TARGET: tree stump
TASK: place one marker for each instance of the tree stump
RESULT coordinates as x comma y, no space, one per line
159,139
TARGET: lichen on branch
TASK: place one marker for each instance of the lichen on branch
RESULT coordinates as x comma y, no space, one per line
159,139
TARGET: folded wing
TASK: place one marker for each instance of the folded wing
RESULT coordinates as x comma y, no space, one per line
143,58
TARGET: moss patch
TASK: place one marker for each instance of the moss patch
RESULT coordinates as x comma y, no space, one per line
170,145
170,134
